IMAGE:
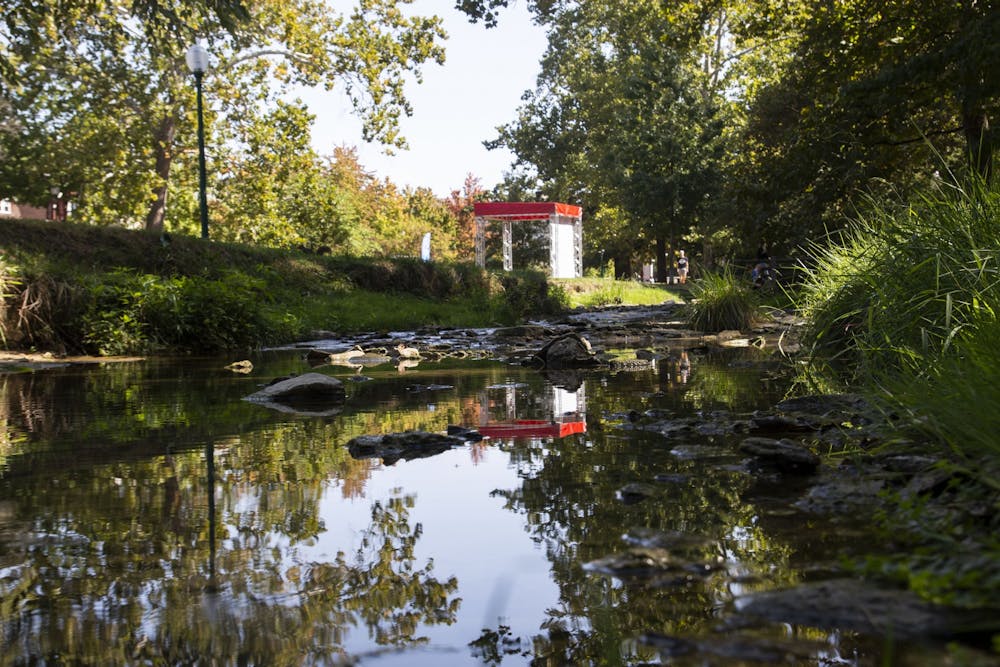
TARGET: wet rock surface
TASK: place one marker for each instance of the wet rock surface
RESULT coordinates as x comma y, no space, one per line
308,394
863,607
738,650
393,447
657,566
784,455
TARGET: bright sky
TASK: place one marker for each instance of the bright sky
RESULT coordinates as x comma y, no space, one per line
457,107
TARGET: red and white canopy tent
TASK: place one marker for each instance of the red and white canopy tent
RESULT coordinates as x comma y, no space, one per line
565,232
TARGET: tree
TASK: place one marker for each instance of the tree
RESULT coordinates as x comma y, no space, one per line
627,117
104,103
870,97
461,205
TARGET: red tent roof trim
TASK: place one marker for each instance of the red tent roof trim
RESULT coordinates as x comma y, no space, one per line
525,210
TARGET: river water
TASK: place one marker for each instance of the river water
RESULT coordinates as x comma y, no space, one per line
149,515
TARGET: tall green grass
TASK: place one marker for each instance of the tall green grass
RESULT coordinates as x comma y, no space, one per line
721,301
909,296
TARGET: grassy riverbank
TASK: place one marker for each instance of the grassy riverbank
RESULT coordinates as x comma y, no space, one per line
101,290
906,305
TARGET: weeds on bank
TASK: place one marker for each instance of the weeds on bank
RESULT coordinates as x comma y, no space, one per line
721,301
111,291
910,297
906,284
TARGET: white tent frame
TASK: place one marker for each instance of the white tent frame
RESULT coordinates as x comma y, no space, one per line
554,219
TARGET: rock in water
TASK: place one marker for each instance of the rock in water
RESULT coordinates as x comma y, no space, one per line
310,393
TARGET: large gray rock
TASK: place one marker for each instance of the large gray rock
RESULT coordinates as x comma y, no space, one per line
567,351
309,393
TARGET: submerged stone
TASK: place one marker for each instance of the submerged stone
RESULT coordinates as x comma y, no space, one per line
245,366
737,649
784,455
408,445
635,492
862,607
672,540
658,565
310,393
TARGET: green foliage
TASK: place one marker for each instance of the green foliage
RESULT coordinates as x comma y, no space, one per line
526,292
954,400
104,104
134,312
906,285
186,294
359,310
721,301
610,295
626,116
855,98
908,299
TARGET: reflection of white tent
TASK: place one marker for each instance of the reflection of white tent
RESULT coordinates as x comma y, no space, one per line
565,232
563,413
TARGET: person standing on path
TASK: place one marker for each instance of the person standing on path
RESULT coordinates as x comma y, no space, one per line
682,267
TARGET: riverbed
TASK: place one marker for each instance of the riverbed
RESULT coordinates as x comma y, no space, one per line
151,515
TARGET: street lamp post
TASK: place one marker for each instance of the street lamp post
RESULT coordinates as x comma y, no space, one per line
197,62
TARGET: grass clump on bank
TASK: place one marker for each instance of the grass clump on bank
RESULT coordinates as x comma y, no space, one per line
99,290
909,297
721,301
907,286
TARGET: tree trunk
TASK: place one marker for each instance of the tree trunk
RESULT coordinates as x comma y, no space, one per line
623,266
661,260
164,142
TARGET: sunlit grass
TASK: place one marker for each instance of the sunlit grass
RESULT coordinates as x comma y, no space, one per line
903,285
593,292
362,310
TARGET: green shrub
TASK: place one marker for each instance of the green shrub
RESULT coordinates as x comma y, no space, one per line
526,292
132,312
721,301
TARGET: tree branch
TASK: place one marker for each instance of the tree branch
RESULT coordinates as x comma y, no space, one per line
925,135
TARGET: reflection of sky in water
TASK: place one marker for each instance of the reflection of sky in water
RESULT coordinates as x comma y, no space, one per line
140,464
502,574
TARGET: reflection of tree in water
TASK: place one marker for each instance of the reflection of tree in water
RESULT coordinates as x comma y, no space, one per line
110,564
568,498
303,614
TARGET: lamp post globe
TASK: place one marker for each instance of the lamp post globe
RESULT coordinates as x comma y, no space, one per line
197,59
197,62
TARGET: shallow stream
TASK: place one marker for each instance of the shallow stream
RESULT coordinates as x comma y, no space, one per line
149,515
